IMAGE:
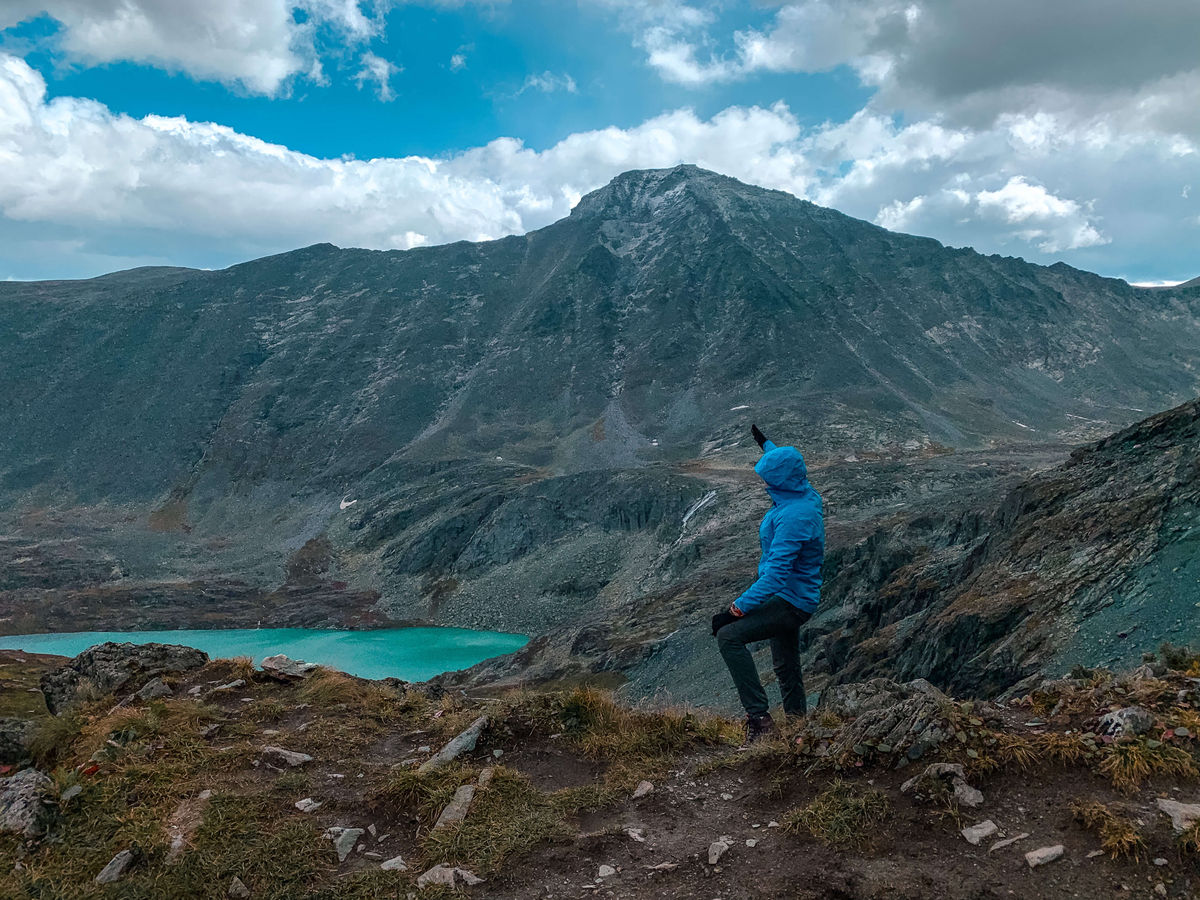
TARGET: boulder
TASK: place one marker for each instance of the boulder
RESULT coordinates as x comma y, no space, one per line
14,735
1127,722
110,667
23,803
907,719
282,668
848,701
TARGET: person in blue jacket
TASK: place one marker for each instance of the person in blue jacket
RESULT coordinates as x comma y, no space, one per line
786,592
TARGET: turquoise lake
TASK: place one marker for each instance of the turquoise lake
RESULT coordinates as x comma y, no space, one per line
414,654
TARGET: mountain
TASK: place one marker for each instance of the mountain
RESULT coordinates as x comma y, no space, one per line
517,434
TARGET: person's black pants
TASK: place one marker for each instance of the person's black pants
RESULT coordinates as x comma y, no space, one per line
779,622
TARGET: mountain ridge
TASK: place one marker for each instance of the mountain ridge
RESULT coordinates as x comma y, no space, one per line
518,427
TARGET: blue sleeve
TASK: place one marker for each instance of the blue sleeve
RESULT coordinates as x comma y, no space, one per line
768,446
790,535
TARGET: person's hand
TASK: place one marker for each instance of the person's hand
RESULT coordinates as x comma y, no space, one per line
758,436
734,611
721,619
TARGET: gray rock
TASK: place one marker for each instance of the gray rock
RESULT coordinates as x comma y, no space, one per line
343,839
907,718
70,793
395,864
110,667
238,889
1127,722
977,833
14,738
277,756
456,810
463,743
716,850
1008,842
183,824
308,804
153,689
643,788
117,867
23,803
1044,855
965,795
448,876
848,701
1183,815
606,871
282,668
231,686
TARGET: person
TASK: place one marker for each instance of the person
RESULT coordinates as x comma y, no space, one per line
785,593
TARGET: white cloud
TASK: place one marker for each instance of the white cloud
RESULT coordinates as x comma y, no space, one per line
256,44
1125,66
80,185
548,83
380,71
457,61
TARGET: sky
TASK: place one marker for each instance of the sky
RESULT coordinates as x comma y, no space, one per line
163,132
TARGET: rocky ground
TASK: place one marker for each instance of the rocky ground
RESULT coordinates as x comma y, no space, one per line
166,775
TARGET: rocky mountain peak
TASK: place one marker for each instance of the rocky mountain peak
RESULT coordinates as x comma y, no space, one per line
642,193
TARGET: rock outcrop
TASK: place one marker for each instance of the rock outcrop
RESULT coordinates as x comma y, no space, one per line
111,667
23,807
14,736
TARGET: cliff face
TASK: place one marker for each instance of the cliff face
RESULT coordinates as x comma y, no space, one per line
512,434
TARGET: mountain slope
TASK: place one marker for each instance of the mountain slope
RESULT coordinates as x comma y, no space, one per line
513,434
1091,562
663,300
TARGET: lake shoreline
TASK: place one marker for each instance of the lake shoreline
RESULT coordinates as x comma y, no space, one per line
410,653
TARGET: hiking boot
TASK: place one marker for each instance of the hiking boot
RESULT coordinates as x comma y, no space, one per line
758,727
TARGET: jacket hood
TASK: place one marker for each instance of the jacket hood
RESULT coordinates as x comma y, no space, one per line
783,471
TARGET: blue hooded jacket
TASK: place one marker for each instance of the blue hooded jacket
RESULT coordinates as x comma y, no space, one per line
792,534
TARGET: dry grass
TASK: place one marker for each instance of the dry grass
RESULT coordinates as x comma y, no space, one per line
1065,749
643,739
507,819
1127,764
52,738
406,792
1189,840
841,815
1119,836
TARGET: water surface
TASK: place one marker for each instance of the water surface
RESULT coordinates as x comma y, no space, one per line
414,654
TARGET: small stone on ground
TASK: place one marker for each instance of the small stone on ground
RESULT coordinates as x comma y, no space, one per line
1044,855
